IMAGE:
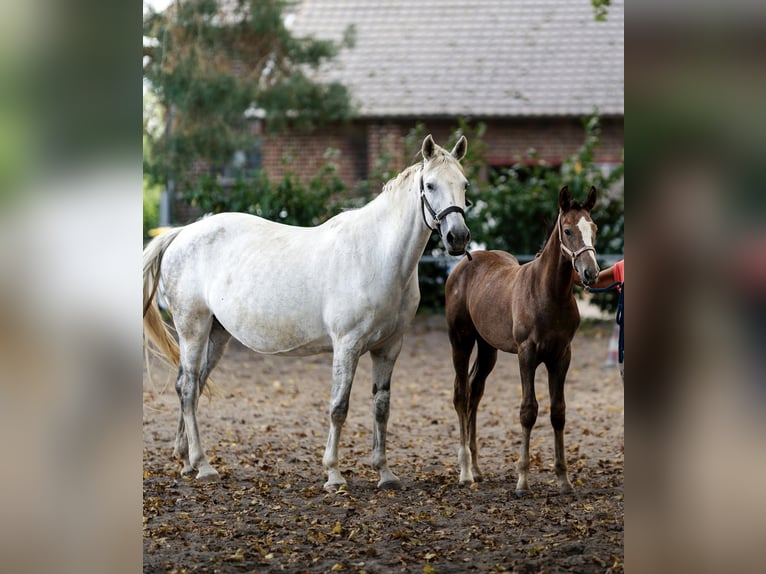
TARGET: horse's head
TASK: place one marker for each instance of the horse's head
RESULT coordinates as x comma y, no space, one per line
577,234
442,193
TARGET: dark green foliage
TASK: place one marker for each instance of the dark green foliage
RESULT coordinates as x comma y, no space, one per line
516,209
600,9
288,201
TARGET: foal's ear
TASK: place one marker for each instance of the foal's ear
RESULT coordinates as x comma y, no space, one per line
428,148
590,202
564,199
458,152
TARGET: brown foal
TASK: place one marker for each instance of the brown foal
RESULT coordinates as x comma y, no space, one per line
495,303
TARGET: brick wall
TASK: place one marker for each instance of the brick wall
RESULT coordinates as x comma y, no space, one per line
362,145
305,154
552,139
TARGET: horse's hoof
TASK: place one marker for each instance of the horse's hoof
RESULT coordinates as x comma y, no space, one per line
390,485
334,487
521,493
566,489
467,482
187,471
207,475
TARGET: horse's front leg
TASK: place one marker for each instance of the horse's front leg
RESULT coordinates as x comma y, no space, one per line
382,367
528,414
462,345
557,373
344,362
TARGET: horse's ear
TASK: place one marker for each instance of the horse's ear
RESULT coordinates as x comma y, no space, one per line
428,148
461,147
564,199
590,203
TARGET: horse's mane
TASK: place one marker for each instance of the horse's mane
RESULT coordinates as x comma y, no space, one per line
441,155
395,181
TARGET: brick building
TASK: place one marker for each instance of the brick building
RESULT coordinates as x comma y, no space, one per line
529,69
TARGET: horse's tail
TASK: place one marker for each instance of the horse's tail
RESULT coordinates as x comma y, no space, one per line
155,329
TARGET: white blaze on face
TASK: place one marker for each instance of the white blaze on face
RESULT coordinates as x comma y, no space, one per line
586,231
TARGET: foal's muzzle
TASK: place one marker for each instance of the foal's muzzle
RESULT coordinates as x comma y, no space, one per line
588,274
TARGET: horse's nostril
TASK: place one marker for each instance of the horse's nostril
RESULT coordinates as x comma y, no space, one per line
450,237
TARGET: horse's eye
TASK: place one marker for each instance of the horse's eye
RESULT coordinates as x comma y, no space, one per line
567,232
430,186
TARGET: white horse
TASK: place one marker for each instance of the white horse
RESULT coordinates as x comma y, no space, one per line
347,286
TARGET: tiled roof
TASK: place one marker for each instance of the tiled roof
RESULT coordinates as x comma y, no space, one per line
475,58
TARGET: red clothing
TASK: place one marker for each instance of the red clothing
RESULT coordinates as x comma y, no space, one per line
619,271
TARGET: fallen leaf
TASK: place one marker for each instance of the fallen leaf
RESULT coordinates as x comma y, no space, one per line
238,556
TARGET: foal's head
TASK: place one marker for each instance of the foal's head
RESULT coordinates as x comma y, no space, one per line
577,234
442,192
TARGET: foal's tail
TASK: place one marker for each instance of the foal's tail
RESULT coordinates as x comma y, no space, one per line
155,329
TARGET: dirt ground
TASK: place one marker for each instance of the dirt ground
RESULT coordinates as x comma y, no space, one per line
265,433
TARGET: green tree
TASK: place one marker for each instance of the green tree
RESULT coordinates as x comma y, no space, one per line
214,65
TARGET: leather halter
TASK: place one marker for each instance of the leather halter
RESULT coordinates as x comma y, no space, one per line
437,217
573,254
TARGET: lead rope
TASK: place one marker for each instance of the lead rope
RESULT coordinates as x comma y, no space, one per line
620,317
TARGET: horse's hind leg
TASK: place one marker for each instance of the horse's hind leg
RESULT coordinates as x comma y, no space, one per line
216,345
462,339
557,372
193,341
383,361
217,342
486,358
181,449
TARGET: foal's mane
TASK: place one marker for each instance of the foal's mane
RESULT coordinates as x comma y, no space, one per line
550,225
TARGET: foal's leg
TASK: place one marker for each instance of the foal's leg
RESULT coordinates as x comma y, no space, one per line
382,366
485,361
557,373
344,361
462,341
216,345
528,412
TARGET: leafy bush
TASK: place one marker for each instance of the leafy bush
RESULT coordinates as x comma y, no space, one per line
516,209
151,207
288,201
